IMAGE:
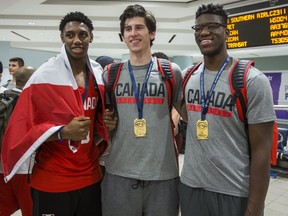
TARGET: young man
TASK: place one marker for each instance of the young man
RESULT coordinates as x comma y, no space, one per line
141,170
16,193
222,174
14,65
60,114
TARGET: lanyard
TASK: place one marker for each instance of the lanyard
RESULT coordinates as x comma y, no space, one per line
205,103
86,85
140,101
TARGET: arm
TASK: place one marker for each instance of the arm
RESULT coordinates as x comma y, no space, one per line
260,136
176,119
183,112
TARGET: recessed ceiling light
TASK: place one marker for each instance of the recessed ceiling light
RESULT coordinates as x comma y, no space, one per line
31,23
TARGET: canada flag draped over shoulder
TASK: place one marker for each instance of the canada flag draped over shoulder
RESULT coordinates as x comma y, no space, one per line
49,100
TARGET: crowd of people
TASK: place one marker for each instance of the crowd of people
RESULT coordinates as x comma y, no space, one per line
65,152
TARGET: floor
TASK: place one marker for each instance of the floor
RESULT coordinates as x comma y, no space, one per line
277,197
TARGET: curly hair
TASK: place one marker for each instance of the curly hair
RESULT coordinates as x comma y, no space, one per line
75,16
138,11
213,9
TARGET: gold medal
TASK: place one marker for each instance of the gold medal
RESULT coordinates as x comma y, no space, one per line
140,127
202,130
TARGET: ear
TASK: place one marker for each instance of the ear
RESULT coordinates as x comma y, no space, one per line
152,35
62,38
227,33
91,39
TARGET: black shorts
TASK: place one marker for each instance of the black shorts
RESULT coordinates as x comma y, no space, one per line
85,201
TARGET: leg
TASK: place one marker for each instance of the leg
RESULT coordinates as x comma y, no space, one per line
45,203
160,198
192,202
90,201
197,201
120,197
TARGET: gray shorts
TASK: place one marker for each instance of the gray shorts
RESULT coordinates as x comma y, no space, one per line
131,197
197,201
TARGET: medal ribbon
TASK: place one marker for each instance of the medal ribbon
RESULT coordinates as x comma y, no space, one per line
205,103
140,101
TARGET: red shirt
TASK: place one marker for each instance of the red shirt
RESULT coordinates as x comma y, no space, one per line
57,168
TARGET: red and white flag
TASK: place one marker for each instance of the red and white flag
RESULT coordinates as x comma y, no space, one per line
49,100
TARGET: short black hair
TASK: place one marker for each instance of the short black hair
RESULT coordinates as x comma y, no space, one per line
137,10
160,55
104,60
75,16
17,59
216,9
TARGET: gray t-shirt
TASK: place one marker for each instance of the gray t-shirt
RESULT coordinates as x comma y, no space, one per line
152,157
221,163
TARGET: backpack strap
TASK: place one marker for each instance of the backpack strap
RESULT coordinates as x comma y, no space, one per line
237,79
113,70
187,75
166,69
238,86
113,73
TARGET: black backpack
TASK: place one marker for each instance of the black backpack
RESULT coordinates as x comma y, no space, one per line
6,108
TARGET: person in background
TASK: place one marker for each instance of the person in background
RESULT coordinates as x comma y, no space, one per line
14,65
25,73
160,55
61,114
223,174
141,170
15,194
104,60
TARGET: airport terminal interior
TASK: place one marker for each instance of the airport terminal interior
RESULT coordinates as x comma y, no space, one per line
258,32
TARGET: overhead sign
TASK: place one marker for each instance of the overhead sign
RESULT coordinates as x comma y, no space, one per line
262,28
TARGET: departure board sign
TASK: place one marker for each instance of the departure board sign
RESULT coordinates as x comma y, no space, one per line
262,28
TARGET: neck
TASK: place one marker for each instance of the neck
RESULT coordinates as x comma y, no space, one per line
140,59
215,63
77,65
78,68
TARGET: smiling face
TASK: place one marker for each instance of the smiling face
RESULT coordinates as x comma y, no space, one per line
211,42
76,36
137,36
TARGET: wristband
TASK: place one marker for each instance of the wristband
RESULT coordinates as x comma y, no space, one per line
60,135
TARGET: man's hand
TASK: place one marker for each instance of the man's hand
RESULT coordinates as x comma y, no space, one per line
109,119
77,129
